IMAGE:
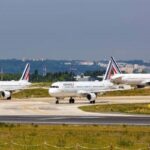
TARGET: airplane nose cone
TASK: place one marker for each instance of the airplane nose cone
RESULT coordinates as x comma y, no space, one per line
52,91
29,83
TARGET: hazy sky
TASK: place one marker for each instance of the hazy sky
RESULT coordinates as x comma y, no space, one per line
75,29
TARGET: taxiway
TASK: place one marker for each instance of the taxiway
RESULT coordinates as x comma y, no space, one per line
45,111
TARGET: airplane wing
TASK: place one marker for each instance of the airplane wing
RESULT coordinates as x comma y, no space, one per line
83,93
112,88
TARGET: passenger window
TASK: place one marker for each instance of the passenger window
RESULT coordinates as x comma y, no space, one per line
54,86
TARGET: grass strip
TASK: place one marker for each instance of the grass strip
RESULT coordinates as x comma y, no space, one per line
133,92
120,108
74,137
31,93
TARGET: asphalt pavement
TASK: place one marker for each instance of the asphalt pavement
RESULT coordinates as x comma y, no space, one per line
45,111
78,120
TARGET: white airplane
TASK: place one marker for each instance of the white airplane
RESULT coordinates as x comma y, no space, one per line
7,87
88,89
140,80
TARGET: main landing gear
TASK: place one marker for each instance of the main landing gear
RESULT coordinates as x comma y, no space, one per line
9,98
71,100
92,102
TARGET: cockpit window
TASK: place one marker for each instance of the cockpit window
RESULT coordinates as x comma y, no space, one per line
54,86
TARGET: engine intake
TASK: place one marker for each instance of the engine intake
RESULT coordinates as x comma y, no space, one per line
6,95
91,97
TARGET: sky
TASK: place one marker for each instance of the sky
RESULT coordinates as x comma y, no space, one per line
75,29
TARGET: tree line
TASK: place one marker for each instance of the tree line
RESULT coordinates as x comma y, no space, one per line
49,77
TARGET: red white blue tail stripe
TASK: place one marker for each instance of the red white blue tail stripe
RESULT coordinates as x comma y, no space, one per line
106,77
26,73
111,69
115,67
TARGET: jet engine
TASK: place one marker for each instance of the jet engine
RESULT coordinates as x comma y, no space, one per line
140,86
6,95
91,97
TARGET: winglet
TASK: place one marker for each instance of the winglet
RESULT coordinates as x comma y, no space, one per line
26,73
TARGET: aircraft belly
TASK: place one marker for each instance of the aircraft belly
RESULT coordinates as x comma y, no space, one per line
132,81
10,87
70,93
66,93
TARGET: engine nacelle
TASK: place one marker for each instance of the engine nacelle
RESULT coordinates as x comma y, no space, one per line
91,97
6,94
140,86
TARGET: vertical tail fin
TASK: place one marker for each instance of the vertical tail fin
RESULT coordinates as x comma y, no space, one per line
115,68
111,69
26,73
108,71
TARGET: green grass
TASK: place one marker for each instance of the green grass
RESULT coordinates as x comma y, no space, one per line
38,137
31,93
41,84
133,92
121,108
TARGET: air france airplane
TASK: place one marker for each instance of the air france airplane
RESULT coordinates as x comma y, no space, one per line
7,87
139,80
88,89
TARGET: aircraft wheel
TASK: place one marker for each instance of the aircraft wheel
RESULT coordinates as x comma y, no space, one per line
57,101
92,102
70,101
73,101
9,98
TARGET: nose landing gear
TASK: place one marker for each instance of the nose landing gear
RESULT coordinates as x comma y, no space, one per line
57,101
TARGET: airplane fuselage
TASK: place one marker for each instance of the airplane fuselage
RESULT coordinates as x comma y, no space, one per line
13,85
74,89
131,79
